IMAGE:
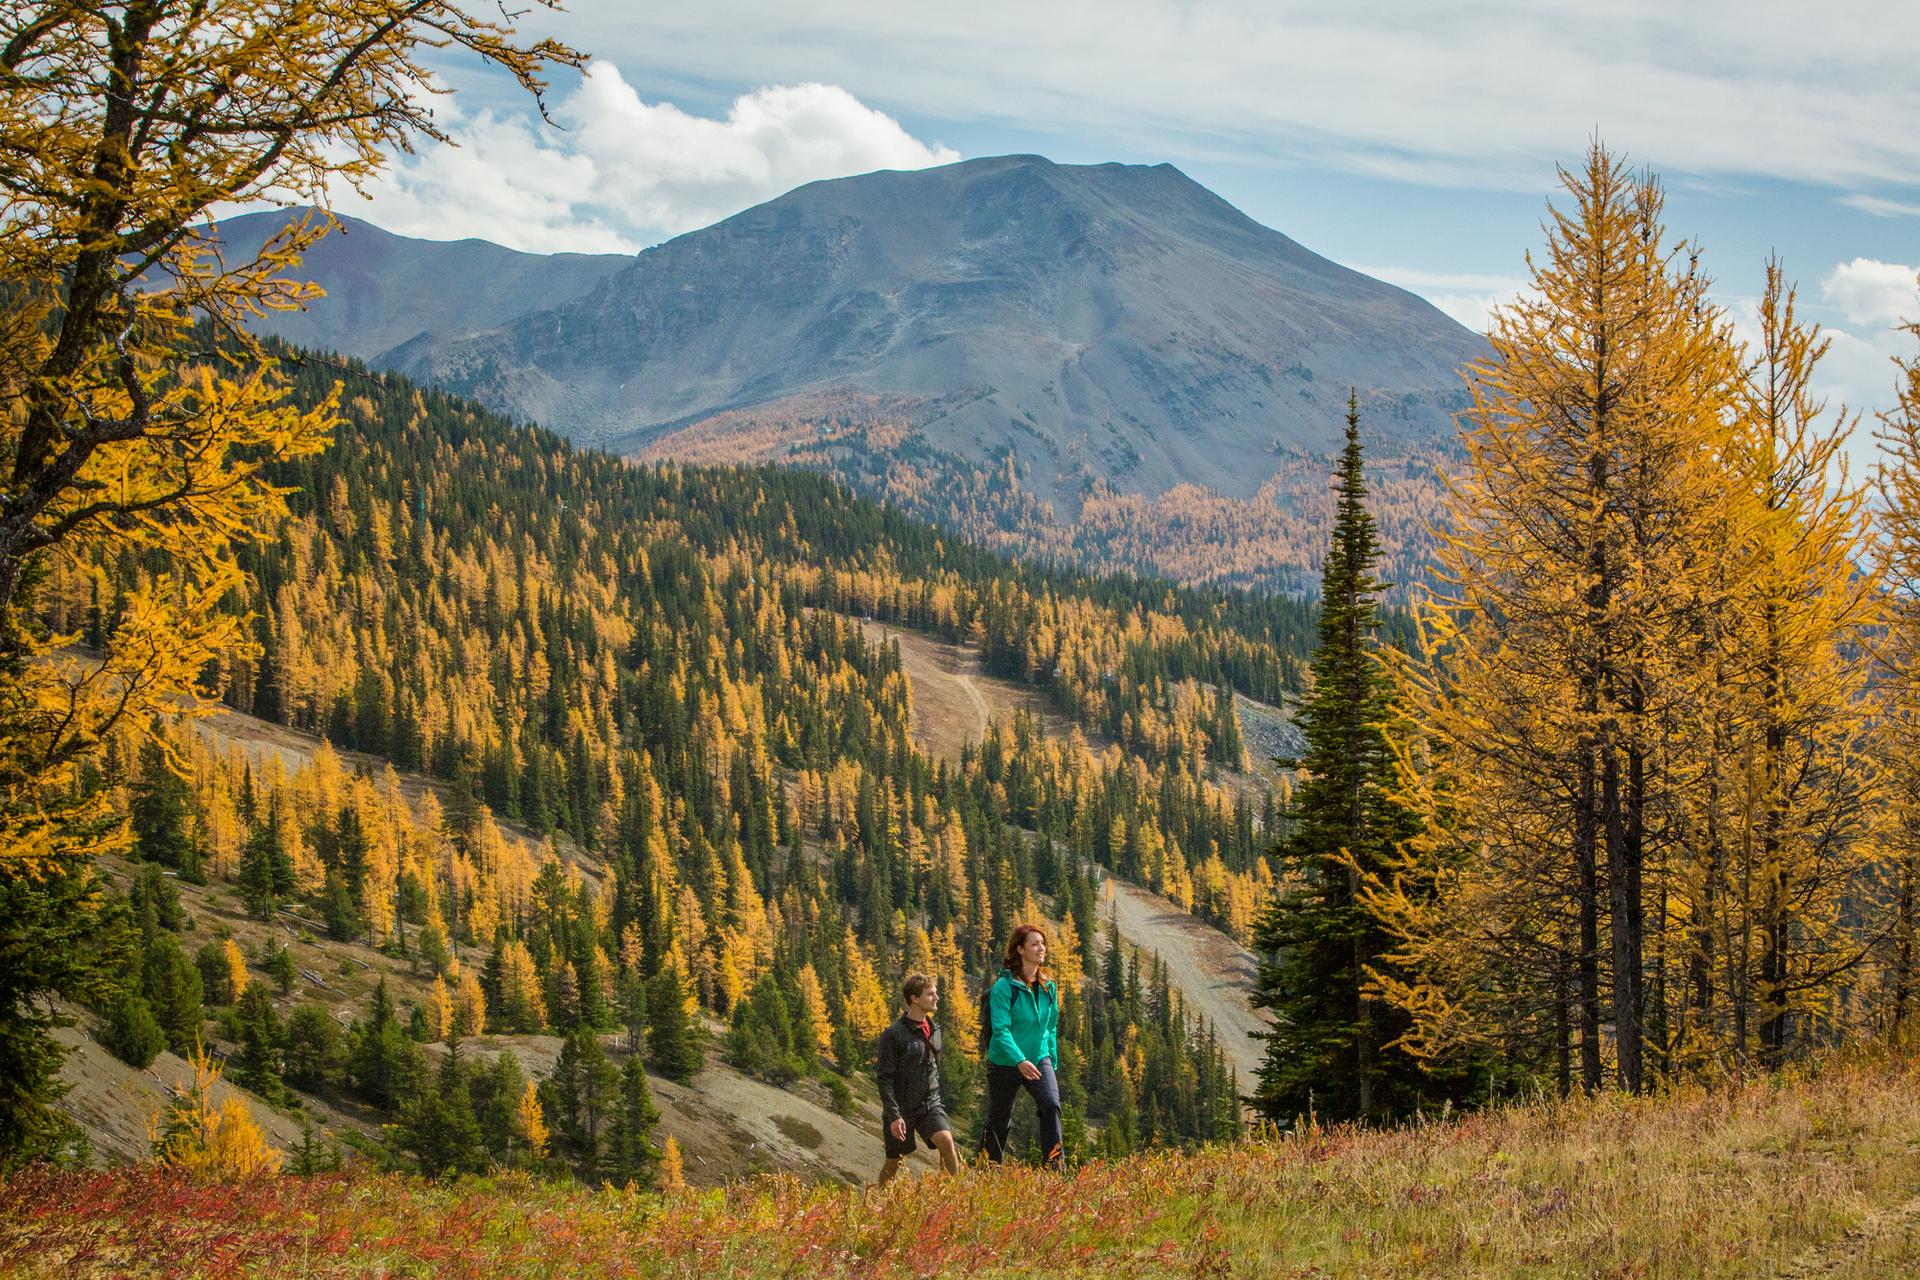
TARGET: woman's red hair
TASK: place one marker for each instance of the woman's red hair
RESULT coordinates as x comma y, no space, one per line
1021,932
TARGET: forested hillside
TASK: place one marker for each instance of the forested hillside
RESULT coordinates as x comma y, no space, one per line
660,666
1272,539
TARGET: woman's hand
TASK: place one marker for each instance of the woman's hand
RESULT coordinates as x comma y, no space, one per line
1028,1070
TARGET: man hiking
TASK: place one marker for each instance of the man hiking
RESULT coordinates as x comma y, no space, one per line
908,1066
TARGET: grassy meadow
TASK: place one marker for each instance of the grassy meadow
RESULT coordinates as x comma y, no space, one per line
1810,1177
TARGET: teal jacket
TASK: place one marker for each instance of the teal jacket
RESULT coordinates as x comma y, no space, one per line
1026,1022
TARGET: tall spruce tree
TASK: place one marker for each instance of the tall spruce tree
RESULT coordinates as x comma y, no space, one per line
1328,1047
630,1156
673,1036
57,938
159,809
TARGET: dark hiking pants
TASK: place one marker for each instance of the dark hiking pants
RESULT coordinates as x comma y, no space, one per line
1003,1086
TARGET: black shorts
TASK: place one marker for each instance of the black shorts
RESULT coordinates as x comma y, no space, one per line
926,1124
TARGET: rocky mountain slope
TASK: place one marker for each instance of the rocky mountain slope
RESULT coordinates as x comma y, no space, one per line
384,291
1106,363
1109,321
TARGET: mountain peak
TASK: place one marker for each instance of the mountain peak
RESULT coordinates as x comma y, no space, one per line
1111,325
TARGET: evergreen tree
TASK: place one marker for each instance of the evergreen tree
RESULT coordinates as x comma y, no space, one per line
632,999
155,900
171,984
266,872
1328,1047
630,1153
761,1038
159,811
342,912
314,1048
256,1026
438,1127
132,1034
435,956
579,1098
311,1155
385,1065
673,1036
280,967
216,977
57,939
503,1085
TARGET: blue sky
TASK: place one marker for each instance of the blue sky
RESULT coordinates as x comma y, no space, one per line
1415,141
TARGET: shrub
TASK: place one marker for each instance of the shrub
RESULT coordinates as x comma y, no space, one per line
315,1048
132,1033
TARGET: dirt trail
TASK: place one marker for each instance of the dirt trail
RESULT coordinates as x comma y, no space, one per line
1211,970
953,699
979,706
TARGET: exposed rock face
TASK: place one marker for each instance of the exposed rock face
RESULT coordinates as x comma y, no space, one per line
1120,316
384,290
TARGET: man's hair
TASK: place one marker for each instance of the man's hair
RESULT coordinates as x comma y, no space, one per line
915,984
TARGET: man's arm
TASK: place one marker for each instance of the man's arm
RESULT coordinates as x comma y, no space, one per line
886,1066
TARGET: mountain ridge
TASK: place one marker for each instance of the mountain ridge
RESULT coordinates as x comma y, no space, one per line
1101,301
1039,337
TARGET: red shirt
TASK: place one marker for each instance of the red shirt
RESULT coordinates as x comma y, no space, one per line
926,1029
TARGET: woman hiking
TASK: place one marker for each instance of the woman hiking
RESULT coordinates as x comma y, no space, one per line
1023,1013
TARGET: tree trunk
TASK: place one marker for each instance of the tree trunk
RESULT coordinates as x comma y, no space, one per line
1587,974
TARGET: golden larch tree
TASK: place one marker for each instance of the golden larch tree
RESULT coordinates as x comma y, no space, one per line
1553,670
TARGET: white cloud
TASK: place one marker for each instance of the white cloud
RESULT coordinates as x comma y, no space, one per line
675,172
1478,94
1857,375
1881,207
622,173
1876,293
1467,297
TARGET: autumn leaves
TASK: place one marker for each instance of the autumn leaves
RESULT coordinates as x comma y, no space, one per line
1656,779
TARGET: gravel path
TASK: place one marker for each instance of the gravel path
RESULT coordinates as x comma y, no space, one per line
1211,970
979,707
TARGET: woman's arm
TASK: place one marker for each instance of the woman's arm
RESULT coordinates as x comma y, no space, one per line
1000,1009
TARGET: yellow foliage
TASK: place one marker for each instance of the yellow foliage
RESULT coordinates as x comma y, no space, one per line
816,1002
469,1006
236,961
439,1009
1635,726
209,1140
123,433
531,1122
868,1009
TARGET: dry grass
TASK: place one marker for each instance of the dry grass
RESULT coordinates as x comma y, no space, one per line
952,699
1795,1178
